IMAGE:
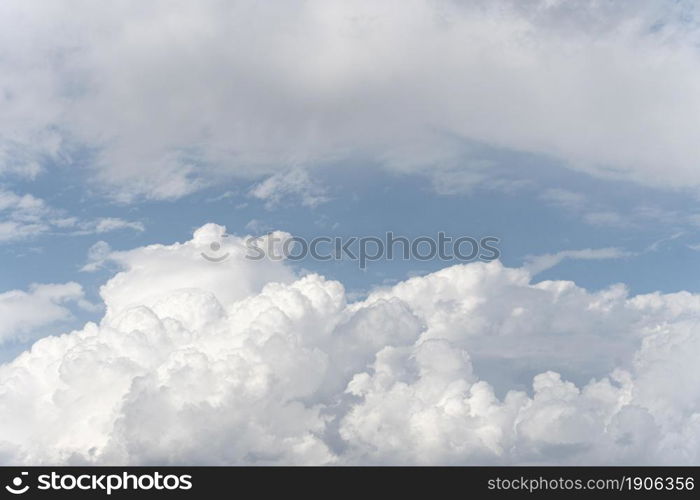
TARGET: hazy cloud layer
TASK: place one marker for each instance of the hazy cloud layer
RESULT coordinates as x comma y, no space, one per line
166,97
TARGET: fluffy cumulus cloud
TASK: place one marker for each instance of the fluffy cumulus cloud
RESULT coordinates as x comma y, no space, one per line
244,362
166,97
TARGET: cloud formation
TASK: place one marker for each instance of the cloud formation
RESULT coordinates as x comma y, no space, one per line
244,362
24,313
25,216
169,97
538,263
294,184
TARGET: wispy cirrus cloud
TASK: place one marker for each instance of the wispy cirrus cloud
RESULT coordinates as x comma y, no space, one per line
538,263
25,216
294,185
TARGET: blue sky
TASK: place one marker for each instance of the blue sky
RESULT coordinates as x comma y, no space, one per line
543,212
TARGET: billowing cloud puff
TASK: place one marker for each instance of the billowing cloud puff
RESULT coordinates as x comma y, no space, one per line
242,362
171,96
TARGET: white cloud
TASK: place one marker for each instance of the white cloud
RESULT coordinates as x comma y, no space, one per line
25,313
112,224
242,362
22,216
538,263
26,216
257,226
98,254
173,97
154,271
601,214
291,185
101,225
